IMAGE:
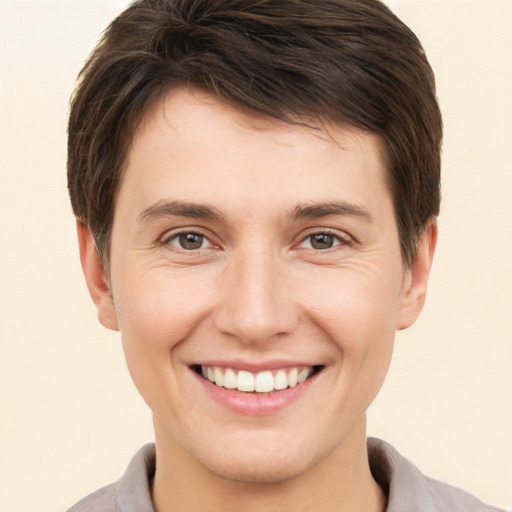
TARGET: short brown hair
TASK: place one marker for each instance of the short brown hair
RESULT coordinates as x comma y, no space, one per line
344,61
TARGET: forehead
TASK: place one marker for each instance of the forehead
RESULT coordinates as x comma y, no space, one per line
193,111
192,140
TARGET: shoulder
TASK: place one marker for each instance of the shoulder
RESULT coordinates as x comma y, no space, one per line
409,490
131,493
103,500
448,498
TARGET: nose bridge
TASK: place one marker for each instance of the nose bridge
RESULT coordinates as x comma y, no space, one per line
256,305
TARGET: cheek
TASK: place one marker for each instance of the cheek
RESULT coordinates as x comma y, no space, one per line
357,310
158,309
156,312
358,305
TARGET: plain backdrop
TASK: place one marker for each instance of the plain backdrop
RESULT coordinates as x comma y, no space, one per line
70,418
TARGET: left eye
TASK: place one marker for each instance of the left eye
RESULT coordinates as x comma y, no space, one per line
321,241
189,241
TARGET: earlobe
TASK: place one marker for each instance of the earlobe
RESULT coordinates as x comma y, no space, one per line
95,278
416,279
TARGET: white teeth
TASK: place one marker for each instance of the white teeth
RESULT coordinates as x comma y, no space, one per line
245,381
281,380
292,377
262,382
219,377
303,375
230,379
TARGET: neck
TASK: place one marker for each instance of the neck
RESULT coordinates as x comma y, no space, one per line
342,482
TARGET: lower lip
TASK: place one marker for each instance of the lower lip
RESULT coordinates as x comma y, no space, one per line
255,404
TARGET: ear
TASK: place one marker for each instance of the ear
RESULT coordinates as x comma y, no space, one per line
96,279
416,278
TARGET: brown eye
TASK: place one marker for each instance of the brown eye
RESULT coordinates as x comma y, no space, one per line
189,241
322,241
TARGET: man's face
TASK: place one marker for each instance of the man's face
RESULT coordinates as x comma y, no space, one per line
252,250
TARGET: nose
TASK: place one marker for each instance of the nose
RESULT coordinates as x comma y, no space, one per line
255,304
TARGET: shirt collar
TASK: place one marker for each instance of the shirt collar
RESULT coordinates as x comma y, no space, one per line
408,490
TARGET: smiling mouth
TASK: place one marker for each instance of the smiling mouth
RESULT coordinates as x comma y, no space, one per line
266,381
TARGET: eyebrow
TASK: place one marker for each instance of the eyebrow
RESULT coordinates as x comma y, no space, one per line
317,210
166,208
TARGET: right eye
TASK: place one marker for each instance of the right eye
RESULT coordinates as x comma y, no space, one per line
188,241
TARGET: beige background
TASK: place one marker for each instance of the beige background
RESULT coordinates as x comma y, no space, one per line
70,417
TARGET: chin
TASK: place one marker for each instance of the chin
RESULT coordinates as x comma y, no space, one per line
257,462
258,471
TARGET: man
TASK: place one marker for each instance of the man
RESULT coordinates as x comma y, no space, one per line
256,185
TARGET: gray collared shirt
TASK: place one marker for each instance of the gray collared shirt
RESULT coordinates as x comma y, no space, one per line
407,488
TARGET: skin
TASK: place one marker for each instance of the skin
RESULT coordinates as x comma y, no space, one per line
256,291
